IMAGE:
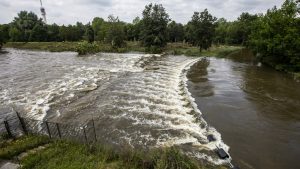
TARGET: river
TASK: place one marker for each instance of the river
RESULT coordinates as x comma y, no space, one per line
146,101
255,108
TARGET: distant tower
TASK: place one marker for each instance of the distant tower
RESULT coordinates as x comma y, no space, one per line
43,11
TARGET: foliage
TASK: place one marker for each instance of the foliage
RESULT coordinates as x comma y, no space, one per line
236,32
23,25
4,31
200,30
175,32
276,39
85,47
133,30
89,33
115,35
72,32
38,33
53,33
154,26
98,25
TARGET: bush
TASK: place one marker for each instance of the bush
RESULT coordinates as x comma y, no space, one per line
84,47
154,49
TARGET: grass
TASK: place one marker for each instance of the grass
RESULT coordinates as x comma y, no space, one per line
171,48
9,149
72,46
45,46
188,50
62,154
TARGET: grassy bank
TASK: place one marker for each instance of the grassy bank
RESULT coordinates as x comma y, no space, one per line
188,50
67,154
171,48
72,46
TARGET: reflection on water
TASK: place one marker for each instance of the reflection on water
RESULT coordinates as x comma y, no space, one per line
256,109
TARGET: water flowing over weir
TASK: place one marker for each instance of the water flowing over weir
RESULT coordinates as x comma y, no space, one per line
137,99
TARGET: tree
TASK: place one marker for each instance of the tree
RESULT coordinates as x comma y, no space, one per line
53,33
23,24
15,35
38,33
154,26
89,33
221,31
97,25
4,30
276,38
201,29
115,35
175,32
245,22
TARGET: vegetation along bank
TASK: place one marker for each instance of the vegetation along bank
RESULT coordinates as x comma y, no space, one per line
273,36
33,151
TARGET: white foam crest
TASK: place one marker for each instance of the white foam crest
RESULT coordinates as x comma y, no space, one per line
216,161
210,130
81,79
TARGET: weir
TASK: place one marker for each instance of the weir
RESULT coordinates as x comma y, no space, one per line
138,99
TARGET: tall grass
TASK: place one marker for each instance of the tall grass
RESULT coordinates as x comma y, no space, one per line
9,149
63,154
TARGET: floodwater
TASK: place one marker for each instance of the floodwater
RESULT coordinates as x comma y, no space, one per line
255,108
135,100
149,101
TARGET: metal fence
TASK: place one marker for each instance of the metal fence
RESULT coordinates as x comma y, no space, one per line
15,126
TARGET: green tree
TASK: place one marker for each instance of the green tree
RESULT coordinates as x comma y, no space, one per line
24,23
4,34
154,26
53,33
15,35
115,35
175,32
98,25
221,31
38,33
276,38
89,33
246,24
201,29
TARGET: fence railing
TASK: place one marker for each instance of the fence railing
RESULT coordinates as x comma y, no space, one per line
15,126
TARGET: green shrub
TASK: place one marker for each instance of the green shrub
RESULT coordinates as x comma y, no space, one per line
85,47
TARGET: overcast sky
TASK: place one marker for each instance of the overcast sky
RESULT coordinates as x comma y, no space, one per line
70,11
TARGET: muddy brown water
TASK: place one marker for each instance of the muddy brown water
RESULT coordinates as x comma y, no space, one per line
138,100
149,101
255,108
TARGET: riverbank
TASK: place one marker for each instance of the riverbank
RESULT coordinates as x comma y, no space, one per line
34,151
171,48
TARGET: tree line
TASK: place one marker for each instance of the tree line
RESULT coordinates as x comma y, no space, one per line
273,36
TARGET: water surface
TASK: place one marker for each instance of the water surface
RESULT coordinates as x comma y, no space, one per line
255,108
135,99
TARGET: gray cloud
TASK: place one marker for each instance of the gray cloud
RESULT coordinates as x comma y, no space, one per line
70,11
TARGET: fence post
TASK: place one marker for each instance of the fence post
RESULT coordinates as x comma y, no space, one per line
94,130
8,129
85,135
48,129
22,123
58,130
